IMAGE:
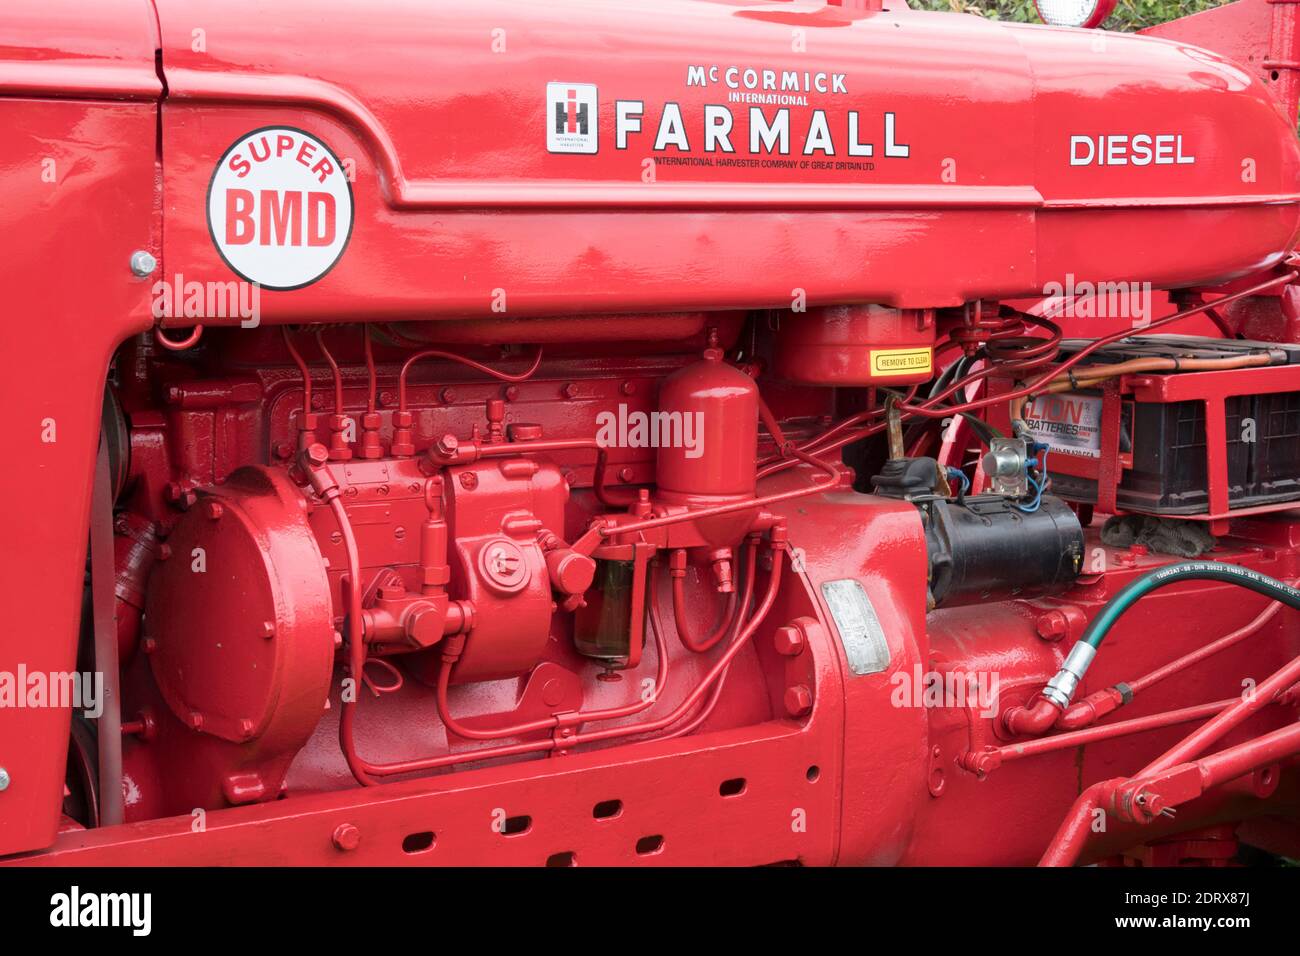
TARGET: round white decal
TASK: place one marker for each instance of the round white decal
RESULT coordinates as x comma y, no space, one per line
280,208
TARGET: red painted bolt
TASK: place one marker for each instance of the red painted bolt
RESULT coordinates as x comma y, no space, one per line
1052,626
627,388
346,837
789,640
468,480
214,510
447,395
179,495
569,391
798,700
317,454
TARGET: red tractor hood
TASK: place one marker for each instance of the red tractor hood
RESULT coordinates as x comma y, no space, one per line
588,155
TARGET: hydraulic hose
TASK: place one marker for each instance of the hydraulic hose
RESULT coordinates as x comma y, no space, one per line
1187,571
1059,691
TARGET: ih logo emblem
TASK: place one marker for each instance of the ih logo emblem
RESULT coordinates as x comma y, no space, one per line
571,122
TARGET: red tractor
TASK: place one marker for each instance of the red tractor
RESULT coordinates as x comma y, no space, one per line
653,432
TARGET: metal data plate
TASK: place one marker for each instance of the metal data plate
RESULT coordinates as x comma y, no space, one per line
859,628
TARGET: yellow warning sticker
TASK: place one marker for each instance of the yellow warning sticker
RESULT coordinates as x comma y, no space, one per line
900,361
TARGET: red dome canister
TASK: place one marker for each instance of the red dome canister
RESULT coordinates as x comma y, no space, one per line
707,434
855,345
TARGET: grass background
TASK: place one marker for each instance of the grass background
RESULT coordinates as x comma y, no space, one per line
1129,15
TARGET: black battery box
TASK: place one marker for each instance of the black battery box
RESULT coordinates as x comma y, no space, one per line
1167,441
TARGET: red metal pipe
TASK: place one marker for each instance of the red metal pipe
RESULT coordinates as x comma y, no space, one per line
762,501
372,384
1212,771
453,357
730,615
1209,650
1195,743
769,598
334,371
1240,760
1073,833
988,760
716,694
1032,720
189,341
302,369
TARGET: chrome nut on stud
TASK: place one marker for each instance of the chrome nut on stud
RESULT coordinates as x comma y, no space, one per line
143,263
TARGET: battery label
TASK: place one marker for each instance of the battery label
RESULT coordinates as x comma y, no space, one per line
900,361
1068,424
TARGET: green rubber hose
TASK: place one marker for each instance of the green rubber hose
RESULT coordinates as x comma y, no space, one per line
1187,571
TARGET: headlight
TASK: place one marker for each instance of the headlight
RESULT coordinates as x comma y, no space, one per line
1074,13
